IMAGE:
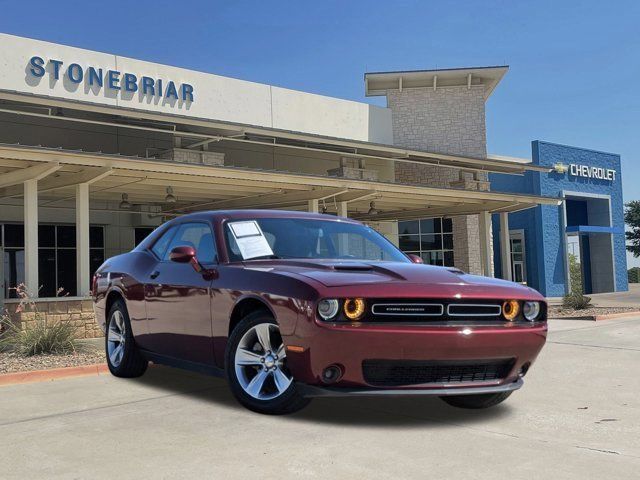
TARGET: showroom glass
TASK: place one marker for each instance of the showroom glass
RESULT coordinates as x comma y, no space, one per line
198,236
322,239
56,257
430,238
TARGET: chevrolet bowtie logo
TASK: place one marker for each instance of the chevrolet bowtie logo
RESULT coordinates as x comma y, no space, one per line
560,168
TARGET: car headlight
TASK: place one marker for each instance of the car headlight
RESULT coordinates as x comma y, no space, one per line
328,308
531,310
510,309
353,308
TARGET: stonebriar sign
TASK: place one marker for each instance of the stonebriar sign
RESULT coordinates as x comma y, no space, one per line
98,78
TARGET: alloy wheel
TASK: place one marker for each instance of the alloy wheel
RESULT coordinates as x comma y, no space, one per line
260,362
116,339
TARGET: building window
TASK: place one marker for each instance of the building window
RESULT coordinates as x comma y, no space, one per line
140,233
56,257
430,238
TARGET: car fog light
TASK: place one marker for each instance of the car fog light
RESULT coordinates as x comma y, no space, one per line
353,308
328,308
531,310
510,309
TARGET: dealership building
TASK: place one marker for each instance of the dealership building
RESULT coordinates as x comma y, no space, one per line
96,150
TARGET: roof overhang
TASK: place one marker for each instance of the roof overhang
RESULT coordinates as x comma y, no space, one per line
200,187
377,83
203,130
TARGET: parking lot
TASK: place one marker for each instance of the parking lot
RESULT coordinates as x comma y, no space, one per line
578,416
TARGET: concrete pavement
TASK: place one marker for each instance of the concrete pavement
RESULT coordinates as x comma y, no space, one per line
578,416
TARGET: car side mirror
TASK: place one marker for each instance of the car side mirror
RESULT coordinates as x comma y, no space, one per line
182,254
415,258
185,254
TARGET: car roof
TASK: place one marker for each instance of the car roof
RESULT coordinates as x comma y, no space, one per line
256,213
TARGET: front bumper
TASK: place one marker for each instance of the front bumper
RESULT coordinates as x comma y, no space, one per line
316,391
348,346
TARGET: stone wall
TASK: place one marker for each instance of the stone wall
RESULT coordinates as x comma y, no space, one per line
448,120
78,312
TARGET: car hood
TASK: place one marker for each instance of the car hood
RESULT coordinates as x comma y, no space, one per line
334,273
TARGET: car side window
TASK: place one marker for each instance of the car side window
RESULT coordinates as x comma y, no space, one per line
160,246
198,236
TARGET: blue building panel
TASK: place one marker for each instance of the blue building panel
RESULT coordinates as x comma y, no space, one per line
590,182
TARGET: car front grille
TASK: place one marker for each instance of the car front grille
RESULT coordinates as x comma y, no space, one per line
395,373
433,310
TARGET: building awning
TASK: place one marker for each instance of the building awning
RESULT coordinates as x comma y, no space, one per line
199,132
200,187
378,83
585,229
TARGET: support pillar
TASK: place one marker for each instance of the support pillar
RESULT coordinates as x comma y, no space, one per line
83,282
313,206
31,237
505,246
484,224
342,209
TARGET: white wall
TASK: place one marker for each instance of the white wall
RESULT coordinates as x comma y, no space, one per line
215,97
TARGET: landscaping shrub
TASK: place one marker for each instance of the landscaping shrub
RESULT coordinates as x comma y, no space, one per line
38,336
576,302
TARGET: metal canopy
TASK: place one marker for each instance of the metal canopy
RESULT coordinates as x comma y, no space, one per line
199,187
202,131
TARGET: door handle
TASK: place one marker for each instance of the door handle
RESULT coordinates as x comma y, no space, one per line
154,274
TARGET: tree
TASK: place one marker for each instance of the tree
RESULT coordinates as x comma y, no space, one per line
632,219
634,275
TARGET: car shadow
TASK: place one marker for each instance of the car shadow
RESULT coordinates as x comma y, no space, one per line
349,411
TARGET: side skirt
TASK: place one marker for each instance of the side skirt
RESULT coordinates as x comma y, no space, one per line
183,364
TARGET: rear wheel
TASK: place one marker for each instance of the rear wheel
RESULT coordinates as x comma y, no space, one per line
123,357
484,400
256,367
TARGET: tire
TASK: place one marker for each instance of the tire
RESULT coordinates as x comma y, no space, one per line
476,402
127,362
258,376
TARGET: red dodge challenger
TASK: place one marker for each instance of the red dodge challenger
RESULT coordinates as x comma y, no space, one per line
289,306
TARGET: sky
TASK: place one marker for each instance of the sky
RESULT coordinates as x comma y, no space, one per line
574,66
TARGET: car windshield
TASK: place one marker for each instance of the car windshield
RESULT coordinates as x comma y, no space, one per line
307,238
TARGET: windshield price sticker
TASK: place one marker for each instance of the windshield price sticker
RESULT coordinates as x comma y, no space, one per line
250,239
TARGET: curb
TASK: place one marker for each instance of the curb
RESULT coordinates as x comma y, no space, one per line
598,318
34,376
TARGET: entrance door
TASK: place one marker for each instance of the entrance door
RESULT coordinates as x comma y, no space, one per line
518,262
178,298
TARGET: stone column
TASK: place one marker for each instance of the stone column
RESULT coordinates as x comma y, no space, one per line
447,120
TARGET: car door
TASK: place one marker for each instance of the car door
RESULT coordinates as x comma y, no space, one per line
178,298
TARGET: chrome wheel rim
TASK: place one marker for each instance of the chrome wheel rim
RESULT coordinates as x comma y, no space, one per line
260,363
116,339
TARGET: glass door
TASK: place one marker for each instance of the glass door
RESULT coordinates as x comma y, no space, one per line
518,265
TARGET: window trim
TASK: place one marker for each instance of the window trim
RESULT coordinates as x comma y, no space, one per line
188,222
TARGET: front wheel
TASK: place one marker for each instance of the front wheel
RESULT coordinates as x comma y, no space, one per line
484,400
256,367
123,357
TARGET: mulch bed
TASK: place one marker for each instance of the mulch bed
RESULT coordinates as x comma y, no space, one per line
11,362
559,312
